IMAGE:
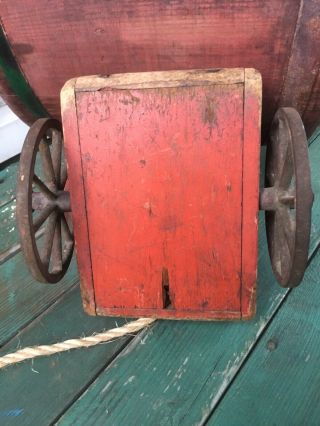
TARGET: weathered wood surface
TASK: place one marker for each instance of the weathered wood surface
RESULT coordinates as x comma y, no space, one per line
22,299
31,312
192,364
215,352
9,241
151,180
14,87
280,39
8,227
280,383
39,391
178,371
8,179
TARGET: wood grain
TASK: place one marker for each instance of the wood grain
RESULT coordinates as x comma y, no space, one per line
22,299
250,190
77,195
8,179
191,363
283,369
150,35
304,68
40,390
8,227
162,163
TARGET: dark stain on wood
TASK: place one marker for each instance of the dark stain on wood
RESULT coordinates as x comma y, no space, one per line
170,223
209,116
23,48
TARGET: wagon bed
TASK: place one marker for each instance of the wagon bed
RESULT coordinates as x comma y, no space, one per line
264,371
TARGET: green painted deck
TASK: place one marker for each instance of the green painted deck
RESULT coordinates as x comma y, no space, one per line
261,372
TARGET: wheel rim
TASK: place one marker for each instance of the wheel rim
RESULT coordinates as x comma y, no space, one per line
288,197
43,203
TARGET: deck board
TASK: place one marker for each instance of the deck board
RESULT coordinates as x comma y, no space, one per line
39,390
8,178
280,383
174,372
22,299
192,364
8,227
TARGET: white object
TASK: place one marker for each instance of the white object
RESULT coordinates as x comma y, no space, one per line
12,133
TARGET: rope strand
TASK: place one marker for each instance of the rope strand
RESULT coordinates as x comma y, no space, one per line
84,342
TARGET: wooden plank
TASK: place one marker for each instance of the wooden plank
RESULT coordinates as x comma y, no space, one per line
303,71
36,392
8,179
153,185
149,35
10,239
160,79
279,385
22,299
191,363
75,177
8,226
250,191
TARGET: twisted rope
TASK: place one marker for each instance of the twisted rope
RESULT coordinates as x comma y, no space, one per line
45,350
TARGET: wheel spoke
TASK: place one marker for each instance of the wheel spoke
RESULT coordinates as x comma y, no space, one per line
64,175
56,256
43,187
66,233
280,161
288,198
282,258
48,239
43,216
67,237
288,227
67,250
286,169
285,256
47,164
270,164
56,155
276,257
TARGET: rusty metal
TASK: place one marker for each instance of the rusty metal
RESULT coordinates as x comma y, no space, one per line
43,203
287,198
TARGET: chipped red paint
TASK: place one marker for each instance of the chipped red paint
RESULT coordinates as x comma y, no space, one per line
78,201
168,203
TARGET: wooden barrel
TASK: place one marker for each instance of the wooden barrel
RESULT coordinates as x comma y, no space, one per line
43,44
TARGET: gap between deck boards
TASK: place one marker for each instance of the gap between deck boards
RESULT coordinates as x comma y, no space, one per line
123,352
233,370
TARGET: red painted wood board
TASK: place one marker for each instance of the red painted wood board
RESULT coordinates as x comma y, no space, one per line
164,187
279,38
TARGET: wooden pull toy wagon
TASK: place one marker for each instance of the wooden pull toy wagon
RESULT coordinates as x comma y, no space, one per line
162,193
163,190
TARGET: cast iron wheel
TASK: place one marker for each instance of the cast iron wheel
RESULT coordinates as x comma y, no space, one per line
43,203
287,197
